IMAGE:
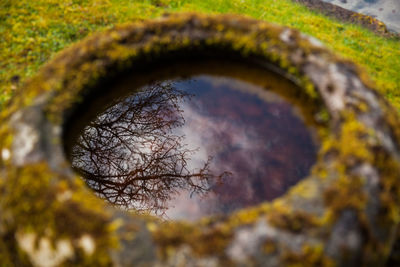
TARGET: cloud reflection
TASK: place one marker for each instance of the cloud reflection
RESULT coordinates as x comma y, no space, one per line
189,148
264,145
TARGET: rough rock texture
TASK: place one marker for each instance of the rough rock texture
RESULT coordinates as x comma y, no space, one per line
387,11
347,15
345,213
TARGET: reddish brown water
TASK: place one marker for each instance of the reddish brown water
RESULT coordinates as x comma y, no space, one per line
190,147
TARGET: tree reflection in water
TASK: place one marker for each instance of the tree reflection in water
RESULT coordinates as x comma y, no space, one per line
130,156
194,147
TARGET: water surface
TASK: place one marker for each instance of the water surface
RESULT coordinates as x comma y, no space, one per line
193,146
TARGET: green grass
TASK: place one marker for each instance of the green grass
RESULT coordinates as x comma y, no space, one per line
31,32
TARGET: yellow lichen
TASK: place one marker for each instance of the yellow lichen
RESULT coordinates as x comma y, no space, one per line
309,256
65,208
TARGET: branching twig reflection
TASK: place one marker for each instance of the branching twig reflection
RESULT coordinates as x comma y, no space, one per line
130,156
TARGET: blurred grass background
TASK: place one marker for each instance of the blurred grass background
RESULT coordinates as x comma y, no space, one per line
31,32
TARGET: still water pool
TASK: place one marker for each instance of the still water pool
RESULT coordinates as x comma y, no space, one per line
193,146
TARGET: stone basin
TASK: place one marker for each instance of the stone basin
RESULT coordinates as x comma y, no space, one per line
214,137
343,212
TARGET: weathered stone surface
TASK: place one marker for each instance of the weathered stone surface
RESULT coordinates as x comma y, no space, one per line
387,11
344,213
348,13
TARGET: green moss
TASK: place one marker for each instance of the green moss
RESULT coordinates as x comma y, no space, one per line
209,236
204,241
346,193
104,50
354,142
295,221
391,190
64,209
309,256
33,31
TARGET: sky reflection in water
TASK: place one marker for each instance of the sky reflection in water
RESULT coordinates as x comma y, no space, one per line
187,148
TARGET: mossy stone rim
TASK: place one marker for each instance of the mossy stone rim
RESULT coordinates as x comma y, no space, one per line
344,213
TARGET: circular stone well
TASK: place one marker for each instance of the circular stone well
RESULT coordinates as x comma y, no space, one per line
201,137
345,212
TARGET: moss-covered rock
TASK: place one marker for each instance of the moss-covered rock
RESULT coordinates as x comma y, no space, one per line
344,213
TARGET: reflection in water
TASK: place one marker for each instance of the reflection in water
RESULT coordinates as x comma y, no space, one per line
186,148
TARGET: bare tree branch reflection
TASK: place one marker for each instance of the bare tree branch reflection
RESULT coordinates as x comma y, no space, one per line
130,156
